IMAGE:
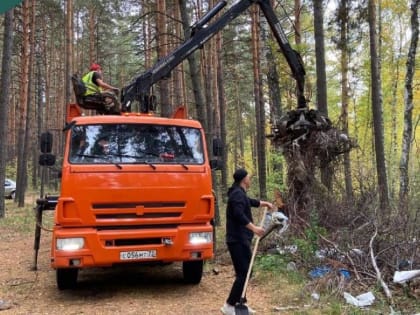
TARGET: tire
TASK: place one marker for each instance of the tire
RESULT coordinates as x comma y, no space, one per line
13,195
192,271
66,278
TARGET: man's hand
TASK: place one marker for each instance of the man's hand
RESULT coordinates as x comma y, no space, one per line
267,204
259,231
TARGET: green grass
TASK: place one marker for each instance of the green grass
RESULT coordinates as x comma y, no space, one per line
18,219
22,219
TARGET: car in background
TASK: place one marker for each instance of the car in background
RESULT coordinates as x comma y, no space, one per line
9,189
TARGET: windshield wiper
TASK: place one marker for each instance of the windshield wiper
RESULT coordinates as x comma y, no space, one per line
92,156
137,157
183,165
147,163
102,157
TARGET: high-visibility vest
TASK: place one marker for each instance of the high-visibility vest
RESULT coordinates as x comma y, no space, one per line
91,88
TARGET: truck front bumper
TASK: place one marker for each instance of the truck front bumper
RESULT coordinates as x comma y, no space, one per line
108,247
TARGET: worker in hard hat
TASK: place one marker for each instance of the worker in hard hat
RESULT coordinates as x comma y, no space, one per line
98,89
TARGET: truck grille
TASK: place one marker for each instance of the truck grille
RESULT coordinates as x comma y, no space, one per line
152,215
133,205
136,227
129,210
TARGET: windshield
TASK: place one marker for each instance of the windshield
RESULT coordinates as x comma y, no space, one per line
135,143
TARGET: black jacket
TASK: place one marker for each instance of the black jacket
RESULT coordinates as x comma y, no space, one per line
238,215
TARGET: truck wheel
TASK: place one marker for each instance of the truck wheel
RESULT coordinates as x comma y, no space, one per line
66,278
193,271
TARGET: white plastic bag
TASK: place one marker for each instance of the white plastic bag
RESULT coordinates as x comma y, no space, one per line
361,300
404,276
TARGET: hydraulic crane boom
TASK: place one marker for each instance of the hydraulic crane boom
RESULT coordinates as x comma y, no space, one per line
139,88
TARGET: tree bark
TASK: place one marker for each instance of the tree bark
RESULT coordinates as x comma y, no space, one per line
194,70
4,96
344,61
298,36
162,51
69,51
23,102
30,113
408,104
209,82
321,80
259,105
178,89
222,109
377,112
92,33
321,77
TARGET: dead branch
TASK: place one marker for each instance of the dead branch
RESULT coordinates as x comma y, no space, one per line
378,272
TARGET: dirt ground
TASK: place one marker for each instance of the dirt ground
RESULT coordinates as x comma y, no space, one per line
122,290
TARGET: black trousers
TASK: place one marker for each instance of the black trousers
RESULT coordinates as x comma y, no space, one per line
241,258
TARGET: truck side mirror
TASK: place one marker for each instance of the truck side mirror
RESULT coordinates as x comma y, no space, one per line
47,159
217,147
46,142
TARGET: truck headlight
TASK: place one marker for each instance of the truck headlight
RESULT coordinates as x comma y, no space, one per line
74,243
201,237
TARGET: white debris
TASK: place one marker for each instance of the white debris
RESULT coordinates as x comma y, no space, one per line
357,252
404,276
292,249
361,300
315,296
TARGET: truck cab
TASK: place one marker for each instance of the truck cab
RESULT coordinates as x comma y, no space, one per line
134,189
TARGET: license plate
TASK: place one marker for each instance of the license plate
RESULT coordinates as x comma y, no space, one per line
138,254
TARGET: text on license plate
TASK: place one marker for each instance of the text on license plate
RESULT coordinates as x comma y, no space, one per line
138,254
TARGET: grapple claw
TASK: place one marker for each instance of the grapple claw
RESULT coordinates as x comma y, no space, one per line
296,123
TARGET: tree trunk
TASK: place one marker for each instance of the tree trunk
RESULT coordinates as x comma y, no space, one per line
194,70
162,51
178,88
393,156
92,33
209,78
377,112
93,57
29,141
239,132
4,96
344,61
321,80
273,82
408,104
23,102
259,105
222,109
298,37
39,117
69,51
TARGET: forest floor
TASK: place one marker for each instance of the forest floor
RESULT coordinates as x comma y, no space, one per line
132,290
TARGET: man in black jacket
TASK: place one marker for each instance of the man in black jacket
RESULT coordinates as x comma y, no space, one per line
240,230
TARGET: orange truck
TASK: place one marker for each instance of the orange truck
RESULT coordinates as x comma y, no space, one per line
134,189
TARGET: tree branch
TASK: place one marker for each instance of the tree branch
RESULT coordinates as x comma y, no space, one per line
378,272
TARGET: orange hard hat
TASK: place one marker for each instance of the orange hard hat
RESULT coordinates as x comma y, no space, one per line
95,67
